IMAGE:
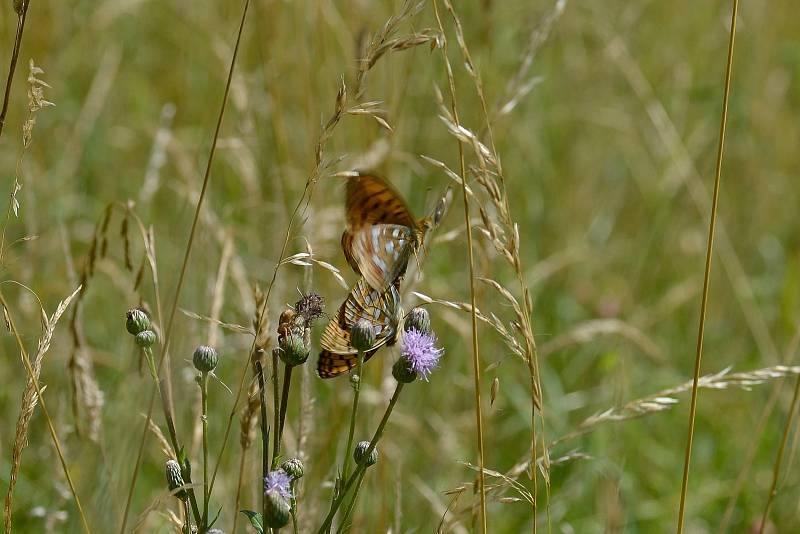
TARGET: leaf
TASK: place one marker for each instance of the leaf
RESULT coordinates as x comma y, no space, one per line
255,519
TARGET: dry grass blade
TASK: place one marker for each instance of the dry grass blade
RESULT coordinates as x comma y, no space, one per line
31,396
707,271
21,7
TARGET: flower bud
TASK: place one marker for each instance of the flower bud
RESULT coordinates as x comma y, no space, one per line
402,371
175,478
293,468
205,358
361,450
293,350
418,319
362,337
277,510
146,339
136,321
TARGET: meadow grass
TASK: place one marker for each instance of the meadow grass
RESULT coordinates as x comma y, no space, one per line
563,283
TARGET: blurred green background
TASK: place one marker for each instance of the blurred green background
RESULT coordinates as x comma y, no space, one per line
609,165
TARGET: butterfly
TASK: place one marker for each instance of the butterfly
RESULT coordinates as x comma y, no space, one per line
381,234
381,309
378,242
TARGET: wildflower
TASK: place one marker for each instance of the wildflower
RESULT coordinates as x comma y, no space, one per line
419,351
418,319
293,467
361,450
362,336
278,481
175,478
310,307
205,358
136,321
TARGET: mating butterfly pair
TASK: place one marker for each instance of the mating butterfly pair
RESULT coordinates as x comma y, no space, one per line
380,238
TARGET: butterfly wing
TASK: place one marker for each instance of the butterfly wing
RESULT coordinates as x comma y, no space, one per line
381,252
382,310
372,200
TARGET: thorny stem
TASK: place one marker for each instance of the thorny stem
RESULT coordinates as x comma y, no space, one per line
707,272
476,363
287,382
204,421
182,275
348,451
326,525
32,377
276,424
21,16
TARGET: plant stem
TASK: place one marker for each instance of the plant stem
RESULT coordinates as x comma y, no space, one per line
276,438
337,502
264,432
187,526
287,382
13,66
707,271
348,451
204,421
352,505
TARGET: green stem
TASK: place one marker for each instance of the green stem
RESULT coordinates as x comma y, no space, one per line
352,505
264,432
337,502
187,523
276,441
287,382
204,420
348,452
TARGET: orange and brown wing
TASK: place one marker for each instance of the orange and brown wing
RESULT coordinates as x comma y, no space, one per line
372,200
382,310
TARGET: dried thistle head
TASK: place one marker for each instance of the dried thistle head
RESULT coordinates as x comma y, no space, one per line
310,307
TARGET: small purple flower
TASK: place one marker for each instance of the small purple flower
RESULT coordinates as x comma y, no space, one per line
279,481
419,350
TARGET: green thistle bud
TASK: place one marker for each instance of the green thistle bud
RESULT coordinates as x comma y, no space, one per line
146,339
362,336
361,450
136,321
175,479
418,319
293,468
293,350
277,510
205,358
402,371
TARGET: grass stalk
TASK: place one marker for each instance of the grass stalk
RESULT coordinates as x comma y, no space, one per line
184,265
476,363
707,271
51,428
22,15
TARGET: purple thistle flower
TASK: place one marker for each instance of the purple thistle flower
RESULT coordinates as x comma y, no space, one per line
278,481
419,350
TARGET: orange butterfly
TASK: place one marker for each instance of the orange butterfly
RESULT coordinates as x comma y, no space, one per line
380,238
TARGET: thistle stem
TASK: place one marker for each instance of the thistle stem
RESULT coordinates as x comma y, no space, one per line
352,505
276,441
349,449
287,382
204,420
337,502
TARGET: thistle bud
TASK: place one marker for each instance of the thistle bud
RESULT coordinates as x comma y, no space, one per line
361,450
310,307
293,468
403,372
418,319
146,339
175,478
362,337
205,358
277,510
136,321
293,350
